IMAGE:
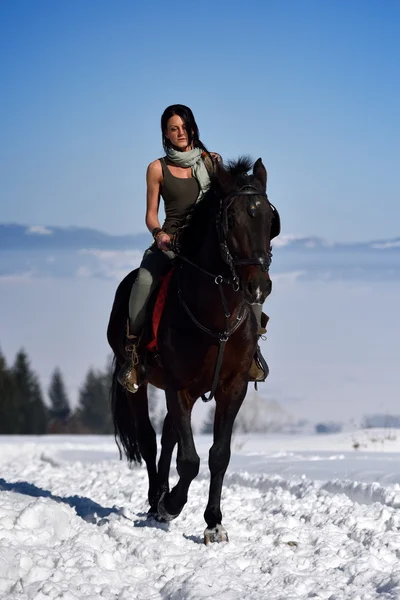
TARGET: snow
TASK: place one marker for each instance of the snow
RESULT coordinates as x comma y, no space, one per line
307,517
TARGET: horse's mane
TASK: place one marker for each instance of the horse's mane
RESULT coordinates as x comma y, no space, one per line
226,179
237,168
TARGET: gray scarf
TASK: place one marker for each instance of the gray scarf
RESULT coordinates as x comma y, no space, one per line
193,159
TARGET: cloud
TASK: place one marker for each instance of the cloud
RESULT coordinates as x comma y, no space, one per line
38,230
83,271
307,241
385,245
26,277
289,277
111,264
285,240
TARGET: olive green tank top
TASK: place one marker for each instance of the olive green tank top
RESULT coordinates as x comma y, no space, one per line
178,195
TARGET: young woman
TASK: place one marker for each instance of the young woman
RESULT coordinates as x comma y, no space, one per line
181,178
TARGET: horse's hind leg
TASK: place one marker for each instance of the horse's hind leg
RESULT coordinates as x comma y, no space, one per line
228,403
147,440
180,408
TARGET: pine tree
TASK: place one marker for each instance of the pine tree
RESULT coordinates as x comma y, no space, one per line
34,416
59,404
258,414
108,374
94,407
10,416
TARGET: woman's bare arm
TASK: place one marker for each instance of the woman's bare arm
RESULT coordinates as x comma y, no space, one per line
154,180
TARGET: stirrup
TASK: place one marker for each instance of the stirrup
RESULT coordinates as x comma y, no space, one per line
259,369
264,321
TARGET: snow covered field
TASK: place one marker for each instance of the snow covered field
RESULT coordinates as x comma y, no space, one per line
307,517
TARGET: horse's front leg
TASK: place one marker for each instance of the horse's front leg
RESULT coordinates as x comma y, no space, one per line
180,406
228,402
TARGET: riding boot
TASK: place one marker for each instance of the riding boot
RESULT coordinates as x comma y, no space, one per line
128,374
259,369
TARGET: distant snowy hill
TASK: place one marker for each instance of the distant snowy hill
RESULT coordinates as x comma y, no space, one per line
41,238
44,251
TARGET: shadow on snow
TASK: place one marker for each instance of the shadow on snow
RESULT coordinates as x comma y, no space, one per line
89,511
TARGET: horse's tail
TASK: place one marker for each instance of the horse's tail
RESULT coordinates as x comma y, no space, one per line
124,420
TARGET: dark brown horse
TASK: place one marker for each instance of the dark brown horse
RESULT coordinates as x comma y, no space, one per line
206,339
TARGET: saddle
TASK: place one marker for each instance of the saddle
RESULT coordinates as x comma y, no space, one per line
153,316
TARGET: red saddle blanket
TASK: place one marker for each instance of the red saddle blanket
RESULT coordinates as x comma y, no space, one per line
158,308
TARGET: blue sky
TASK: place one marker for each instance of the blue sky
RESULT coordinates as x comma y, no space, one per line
311,86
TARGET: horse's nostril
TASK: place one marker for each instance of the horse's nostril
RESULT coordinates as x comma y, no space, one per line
252,287
258,290
254,290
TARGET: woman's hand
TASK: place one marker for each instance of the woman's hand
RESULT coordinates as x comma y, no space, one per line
216,157
163,241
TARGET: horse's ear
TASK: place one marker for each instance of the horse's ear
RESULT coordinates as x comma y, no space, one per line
260,172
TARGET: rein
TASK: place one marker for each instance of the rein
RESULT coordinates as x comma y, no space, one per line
218,279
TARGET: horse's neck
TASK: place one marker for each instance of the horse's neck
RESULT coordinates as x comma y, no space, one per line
202,291
208,256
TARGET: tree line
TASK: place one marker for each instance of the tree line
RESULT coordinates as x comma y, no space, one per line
25,409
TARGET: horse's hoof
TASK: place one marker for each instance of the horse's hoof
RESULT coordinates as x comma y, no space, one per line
162,514
216,534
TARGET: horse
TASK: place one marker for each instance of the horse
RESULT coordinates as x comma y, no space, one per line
206,339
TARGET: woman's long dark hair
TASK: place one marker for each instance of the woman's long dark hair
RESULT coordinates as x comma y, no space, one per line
187,117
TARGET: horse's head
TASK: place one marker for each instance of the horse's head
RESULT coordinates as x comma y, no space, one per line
245,221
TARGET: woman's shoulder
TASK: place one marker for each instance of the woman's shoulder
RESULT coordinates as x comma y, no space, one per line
155,166
154,170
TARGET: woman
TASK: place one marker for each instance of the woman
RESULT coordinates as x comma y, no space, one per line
181,177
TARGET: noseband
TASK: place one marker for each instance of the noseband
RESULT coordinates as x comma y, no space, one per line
223,228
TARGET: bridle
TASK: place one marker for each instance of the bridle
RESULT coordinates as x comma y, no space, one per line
264,261
250,191
226,202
